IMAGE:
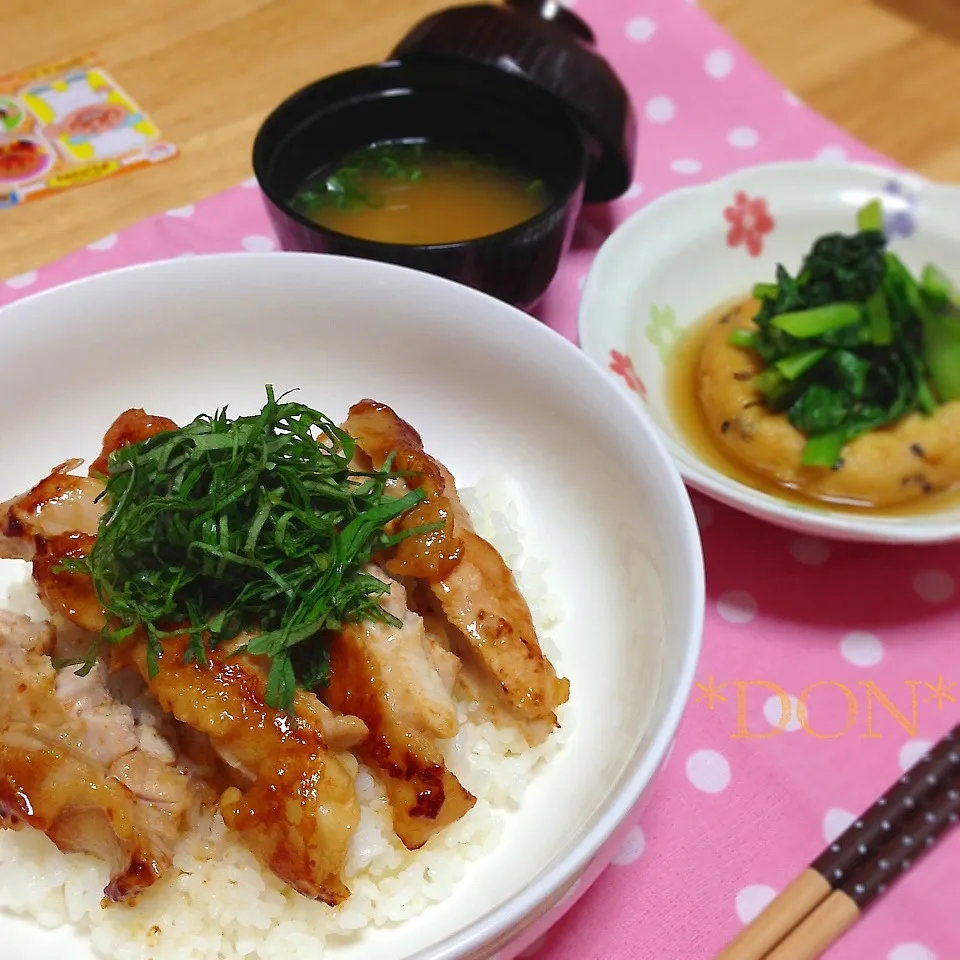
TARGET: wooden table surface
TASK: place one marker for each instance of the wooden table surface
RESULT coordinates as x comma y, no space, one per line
208,71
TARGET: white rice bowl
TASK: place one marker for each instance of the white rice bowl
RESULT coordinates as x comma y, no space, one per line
219,903
492,391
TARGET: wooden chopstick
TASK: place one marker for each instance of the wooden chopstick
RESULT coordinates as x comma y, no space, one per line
828,872
872,878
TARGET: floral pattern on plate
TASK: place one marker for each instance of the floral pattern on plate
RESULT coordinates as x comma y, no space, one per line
899,212
662,330
622,365
750,221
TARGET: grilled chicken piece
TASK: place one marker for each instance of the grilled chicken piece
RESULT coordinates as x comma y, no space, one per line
60,503
132,426
380,432
71,765
65,503
388,677
300,809
495,637
70,596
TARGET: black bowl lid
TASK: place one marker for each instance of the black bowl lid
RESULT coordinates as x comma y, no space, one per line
551,46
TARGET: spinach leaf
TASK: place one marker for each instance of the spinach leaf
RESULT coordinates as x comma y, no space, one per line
854,341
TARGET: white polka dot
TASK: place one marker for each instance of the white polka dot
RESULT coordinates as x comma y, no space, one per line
632,848
911,951
703,511
862,649
686,165
582,281
633,191
23,280
752,900
743,138
718,64
912,751
661,109
934,586
181,212
831,154
104,243
641,29
708,771
773,711
737,606
250,183
810,551
186,253
835,822
534,947
257,243
792,98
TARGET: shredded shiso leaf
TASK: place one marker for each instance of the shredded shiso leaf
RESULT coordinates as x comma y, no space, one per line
255,525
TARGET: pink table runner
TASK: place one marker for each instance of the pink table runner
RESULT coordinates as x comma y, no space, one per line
742,804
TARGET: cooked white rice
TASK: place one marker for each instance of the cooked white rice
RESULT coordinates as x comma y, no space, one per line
220,903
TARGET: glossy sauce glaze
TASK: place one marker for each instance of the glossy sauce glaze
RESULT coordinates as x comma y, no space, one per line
433,553
132,426
300,808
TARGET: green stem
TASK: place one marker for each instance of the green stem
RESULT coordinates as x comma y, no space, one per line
765,291
870,217
815,322
824,450
941,352
878,315
744,338
797,364
937,283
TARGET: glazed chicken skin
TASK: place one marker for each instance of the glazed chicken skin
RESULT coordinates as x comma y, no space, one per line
60,503
401,687
132,426
74,765
494,634
300,809
64,503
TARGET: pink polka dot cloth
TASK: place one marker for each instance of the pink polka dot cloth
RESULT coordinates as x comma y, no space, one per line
749,795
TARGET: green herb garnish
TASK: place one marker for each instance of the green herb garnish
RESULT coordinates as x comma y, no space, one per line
251,524
854,342
348,186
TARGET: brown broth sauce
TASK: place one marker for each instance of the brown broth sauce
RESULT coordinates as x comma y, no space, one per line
683,402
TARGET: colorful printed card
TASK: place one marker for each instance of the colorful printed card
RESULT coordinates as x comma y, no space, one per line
67,124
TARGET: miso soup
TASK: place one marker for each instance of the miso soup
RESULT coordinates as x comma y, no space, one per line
420,193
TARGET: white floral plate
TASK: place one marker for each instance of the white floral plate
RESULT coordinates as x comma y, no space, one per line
694,250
